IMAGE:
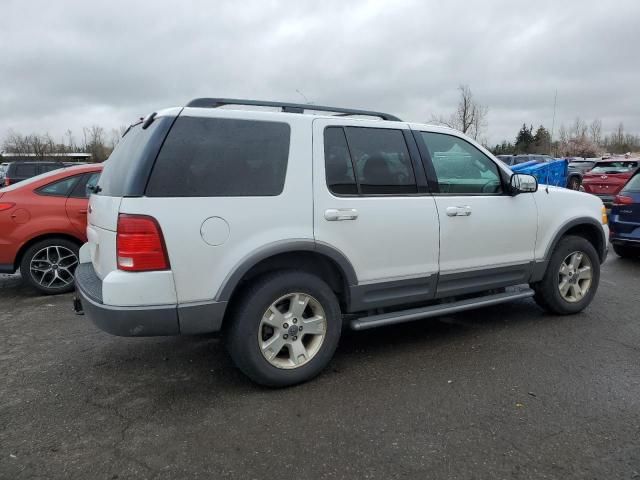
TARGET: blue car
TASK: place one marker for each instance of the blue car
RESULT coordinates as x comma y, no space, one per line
624,222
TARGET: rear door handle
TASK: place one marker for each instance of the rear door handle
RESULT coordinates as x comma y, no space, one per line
339,214
463,211
82,212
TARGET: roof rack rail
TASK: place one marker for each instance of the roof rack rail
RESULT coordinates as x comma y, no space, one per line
287,107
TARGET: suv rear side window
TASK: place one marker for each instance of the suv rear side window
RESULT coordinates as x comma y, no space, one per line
460,167
379,157
221,157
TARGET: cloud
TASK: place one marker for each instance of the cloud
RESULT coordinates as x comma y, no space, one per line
73,64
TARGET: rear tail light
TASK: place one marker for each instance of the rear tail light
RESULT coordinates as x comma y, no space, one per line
622,200
140,245
7,181
6,205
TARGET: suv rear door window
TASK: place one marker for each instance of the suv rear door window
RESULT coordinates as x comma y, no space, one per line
339,169
381,160
374,161
460,167
221,157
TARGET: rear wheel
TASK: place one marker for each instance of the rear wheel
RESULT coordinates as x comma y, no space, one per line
284,328
625,251
571,279
49,265
574,183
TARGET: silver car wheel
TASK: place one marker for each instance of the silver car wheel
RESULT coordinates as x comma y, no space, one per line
292,330
575,276
52,267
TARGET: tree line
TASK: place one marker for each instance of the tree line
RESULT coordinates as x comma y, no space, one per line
581,139
94,140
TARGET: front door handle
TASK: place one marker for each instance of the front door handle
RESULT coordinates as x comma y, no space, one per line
339,214
463,211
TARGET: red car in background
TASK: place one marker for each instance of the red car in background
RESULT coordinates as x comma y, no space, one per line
43,223
607,177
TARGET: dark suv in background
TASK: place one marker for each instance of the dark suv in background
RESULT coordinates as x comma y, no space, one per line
17,171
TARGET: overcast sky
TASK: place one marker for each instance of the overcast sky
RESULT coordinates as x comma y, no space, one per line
72,64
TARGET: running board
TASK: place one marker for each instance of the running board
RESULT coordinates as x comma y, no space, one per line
440,309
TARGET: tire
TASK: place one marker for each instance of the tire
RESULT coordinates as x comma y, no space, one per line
626,251
47,274
548,291
251,328
574,183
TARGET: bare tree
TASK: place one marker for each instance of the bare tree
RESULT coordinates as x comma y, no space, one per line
595,129
469,117
579,128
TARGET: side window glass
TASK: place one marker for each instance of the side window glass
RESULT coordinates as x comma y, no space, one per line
460,167
381,159
61,188
338,166
81,190
91,182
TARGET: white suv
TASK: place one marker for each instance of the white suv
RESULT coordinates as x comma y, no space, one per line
277,227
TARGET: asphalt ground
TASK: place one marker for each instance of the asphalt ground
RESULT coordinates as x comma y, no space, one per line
502,392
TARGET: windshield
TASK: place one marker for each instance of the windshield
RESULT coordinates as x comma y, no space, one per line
615,167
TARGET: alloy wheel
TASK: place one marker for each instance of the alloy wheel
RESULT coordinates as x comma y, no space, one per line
52,267
575,276
292,330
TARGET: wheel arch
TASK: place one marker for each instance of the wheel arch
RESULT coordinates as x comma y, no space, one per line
585,227
323,260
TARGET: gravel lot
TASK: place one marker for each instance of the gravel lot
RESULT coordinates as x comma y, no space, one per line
504,392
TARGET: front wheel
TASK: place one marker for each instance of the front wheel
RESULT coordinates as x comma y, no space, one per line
571,279
49,265
284,328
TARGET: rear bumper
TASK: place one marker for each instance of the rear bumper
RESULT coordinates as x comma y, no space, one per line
606,199
143,320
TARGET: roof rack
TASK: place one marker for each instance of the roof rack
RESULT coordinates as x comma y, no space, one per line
287,107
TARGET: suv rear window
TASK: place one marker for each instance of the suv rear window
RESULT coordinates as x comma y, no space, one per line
122,161
221,157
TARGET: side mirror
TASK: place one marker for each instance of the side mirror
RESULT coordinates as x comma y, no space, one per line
523,183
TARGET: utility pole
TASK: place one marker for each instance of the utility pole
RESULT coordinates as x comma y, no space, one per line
553,122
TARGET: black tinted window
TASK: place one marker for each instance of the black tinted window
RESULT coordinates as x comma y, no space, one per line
460,167
215,157
338,166
25,170
381,160
60,188
122,161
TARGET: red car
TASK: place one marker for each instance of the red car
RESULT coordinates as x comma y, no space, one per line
42,225
607,177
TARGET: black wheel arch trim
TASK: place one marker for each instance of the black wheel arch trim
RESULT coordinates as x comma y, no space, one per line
288,246
541,265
